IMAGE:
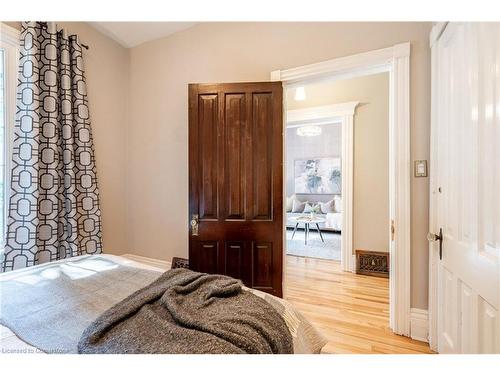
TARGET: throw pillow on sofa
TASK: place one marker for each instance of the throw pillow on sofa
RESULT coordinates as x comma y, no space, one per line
327,207
311,208
289,203
337,203
298,206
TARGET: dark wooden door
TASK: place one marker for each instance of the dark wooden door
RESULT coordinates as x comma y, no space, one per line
236,183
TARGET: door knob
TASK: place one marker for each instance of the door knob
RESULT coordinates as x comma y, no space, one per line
194,225
431,237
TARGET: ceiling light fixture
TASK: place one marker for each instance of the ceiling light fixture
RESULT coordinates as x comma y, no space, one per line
309,131
300,93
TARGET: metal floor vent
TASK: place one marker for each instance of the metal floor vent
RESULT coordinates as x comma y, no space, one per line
180,263
372,263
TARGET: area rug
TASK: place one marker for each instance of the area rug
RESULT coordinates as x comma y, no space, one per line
315,248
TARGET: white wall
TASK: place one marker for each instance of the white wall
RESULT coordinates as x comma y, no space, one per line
107,72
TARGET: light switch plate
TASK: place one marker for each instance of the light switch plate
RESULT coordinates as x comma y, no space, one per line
420,168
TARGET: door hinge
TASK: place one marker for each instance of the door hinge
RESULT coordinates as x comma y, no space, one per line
393,230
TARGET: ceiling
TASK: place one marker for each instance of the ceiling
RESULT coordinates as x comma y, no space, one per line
131,34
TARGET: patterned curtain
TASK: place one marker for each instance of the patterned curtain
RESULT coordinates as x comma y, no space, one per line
54,204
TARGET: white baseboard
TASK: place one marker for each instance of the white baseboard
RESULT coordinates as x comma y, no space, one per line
162,264
419,325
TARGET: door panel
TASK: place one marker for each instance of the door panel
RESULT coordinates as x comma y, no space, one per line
235,126
488,316
234,259
207,154
235,181
262,254
466,182
261,173
209,257
467,309
447,325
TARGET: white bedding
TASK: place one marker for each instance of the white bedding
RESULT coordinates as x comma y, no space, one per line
10,343
306,340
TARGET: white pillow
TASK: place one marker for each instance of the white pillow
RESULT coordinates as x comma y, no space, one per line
327,207
311,208
298,206
289,203
337,203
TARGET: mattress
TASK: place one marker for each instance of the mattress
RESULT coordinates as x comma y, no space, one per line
306,339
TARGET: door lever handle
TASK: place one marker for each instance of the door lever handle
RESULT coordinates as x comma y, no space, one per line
431,237
194,225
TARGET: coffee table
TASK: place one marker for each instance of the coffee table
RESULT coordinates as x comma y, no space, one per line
307,221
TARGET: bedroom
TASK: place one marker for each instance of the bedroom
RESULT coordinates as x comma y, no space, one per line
154,97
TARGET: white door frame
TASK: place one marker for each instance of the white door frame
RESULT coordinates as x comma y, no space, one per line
342,113
396,61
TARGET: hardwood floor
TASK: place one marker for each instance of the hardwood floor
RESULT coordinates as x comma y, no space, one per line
351,311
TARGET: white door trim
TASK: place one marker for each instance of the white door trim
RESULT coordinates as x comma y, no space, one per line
419,325
342,113
436,32
396,61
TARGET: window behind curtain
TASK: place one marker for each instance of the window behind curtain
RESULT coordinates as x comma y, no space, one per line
9,61
3,193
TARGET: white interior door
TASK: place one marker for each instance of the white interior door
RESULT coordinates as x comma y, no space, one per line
465,186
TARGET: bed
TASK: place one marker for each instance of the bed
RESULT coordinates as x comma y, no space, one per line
85,271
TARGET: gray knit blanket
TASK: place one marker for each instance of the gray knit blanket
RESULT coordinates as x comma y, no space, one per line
189,312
